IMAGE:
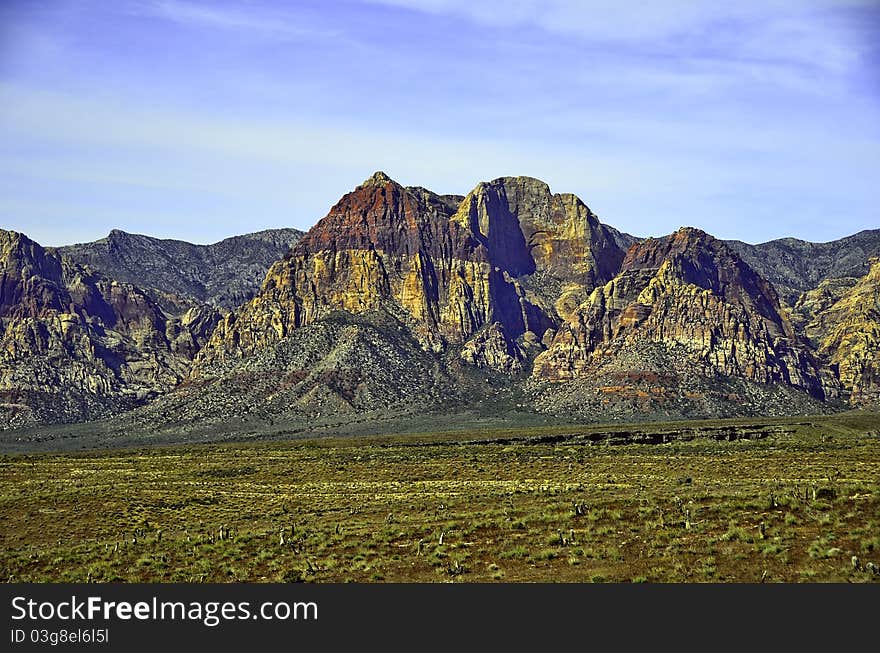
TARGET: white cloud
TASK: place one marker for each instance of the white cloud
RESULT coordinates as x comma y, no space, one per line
202,170
303,166
771,31
262,22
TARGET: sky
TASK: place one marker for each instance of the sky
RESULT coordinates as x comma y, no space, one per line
199,120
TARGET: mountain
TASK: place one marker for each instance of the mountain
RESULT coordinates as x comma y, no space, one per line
514,279
401,301
847,335
481,273
684,317
180,275
396,296
795,266
76,345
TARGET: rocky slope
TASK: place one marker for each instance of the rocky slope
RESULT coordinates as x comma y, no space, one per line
180,275
795,266
490,273
847,335
808,315
76,345
401,301
684,312
345,366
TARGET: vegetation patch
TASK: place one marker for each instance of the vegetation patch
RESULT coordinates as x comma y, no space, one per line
398,511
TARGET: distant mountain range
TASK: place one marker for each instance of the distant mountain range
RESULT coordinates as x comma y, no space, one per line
404,300
180,274
796,266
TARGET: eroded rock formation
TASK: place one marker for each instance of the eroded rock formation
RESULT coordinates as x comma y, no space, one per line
847,333
75,345
508,258
692,292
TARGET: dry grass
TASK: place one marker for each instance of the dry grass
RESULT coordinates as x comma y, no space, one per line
368,511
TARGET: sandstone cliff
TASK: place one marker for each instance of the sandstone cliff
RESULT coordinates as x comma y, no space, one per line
809,314
499,267
688,303
75,345
847,333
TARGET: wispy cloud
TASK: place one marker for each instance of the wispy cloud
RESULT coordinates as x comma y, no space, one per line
292,171
263,22
745,117
68,120
772,31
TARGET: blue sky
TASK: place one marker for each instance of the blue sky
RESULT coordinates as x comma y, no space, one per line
200,120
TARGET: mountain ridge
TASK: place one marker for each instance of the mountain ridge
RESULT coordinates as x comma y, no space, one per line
181,274
400,299
795,266
76,345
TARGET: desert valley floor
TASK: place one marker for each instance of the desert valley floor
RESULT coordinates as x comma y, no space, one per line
748,500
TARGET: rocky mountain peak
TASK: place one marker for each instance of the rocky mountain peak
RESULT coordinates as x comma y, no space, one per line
691,295
492,214
30,277
378,178
75,344
527,229
18,248
652,252
692,256
380,214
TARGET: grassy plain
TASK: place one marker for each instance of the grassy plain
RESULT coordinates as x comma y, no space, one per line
794,505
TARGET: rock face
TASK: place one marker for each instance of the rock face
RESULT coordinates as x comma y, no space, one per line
847,334
809,313
180,275
691,301
401,299
488,272
513,277
75,345
553,244
795,266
